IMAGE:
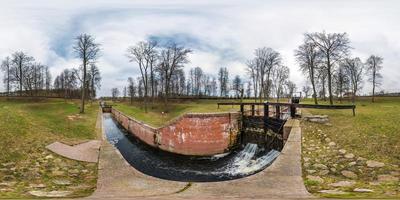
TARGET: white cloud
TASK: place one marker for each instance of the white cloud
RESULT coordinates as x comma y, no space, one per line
224,33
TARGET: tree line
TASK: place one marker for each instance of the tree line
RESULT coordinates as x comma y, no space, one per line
325,60
24,76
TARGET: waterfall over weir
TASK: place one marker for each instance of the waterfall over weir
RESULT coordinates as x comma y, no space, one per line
240,163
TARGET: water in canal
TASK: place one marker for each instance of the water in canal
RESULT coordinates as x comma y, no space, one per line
161,164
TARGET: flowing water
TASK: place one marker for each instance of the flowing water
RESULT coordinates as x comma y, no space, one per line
161,164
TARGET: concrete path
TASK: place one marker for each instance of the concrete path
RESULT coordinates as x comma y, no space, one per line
87,151
282,180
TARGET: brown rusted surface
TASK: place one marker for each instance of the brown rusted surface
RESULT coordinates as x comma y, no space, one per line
191,134
199,134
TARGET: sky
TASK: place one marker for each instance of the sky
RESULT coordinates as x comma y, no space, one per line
221,33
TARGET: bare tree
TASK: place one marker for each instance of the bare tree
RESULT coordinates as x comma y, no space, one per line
237,86
334,47
261,67
279,78
308,57
21,62
291,87
131,89
248,89
354,69
145,55
94,79
374,65
223,79
172,58
6,68
254,73
306,89
341,80
47,79
114,93
88,51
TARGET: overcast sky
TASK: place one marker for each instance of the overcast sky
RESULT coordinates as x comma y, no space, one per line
221,33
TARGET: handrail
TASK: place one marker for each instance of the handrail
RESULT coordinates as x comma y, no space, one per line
293,105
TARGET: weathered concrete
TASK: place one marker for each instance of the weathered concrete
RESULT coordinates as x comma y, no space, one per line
281,180
190,134
87,151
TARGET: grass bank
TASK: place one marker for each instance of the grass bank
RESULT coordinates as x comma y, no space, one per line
26,127
347,143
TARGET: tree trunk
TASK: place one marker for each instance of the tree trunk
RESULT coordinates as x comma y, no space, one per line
20,78
313,86
373,87
82,109
330,82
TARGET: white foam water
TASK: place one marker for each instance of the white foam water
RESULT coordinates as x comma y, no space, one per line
244,163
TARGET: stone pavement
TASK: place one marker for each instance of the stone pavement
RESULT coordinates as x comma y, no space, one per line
87,151
282,180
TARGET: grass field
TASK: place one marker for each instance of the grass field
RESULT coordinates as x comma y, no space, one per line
373,134
26,127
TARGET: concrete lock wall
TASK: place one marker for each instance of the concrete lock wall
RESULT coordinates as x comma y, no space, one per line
191,134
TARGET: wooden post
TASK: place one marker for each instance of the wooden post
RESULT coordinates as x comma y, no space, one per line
241,123
278,111
266,115
292,111
354,111
252,110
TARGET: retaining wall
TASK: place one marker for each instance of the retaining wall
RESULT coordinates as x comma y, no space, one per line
191,134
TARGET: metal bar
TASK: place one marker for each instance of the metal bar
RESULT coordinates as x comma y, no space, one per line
292,111
278,111
296,105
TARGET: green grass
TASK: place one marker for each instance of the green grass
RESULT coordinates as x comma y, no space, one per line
374,134
157,117
26,127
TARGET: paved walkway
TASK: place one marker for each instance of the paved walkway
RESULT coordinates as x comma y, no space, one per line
282,180
87,151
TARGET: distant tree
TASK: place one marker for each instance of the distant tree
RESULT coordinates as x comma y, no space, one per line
322,79
48,79
172,58
354,69
124,93
214,86
306,90
66,83
197,80
94,79
6,66
333,47
248,89
21,63
237,86
309,58
131,89
88,51
114,93
223,79
145,55
266,59
254,73
291,88
341,80
374,65
279,78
